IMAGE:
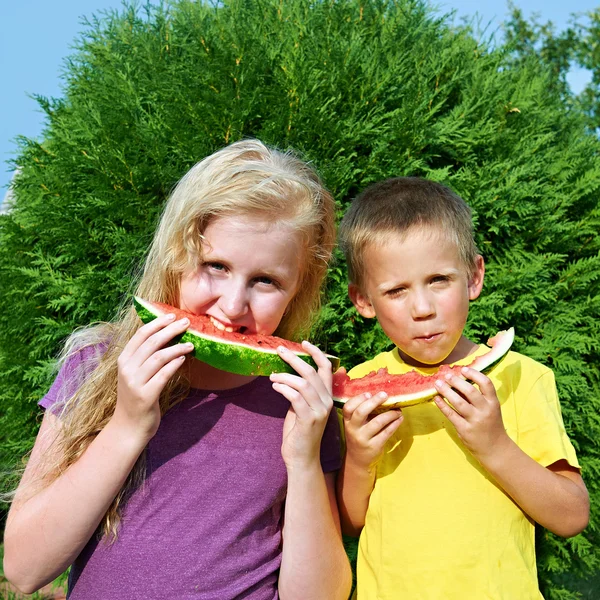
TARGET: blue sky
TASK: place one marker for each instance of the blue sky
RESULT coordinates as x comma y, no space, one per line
37,35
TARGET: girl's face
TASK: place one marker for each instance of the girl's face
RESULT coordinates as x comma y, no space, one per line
249,273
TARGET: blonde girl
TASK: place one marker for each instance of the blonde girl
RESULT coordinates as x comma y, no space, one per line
157,476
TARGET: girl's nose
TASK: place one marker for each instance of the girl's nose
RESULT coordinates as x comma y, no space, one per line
234,301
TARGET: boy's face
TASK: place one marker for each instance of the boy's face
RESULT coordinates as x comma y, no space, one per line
419,289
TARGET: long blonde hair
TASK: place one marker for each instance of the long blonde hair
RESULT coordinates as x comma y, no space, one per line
244,178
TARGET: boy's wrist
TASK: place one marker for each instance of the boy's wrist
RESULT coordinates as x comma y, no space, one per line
494,458
360,467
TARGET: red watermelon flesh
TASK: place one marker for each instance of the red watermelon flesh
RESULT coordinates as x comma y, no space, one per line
231,351
413,388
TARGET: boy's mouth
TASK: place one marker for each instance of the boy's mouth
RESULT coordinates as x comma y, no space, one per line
429,338
227,328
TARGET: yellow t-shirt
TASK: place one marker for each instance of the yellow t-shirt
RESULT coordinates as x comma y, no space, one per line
437,526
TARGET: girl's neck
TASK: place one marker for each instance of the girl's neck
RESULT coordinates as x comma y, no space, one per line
203,376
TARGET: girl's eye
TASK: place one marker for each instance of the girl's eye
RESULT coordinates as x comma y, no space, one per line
215,266
265,280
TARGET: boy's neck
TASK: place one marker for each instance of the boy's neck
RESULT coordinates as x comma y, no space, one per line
463,348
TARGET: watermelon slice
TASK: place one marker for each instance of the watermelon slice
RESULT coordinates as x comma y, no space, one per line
413,388
243,354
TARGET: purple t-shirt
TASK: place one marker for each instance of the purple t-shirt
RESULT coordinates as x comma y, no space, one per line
207,523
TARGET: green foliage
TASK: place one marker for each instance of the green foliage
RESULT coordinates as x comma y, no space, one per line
577,45
366,90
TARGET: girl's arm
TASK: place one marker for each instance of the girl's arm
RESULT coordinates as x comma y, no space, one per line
46,530
314,564
45,533
554,496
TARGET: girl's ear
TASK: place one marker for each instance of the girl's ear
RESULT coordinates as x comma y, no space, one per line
361,302
475,284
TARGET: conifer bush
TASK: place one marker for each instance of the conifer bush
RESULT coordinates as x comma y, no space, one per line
366,90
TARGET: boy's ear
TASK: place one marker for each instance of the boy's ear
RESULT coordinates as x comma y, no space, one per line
361,302
476,279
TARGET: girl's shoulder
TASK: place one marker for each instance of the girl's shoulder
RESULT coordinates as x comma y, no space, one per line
74,368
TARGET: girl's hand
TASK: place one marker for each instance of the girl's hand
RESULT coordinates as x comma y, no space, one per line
144,368
475,413
309,394
367,435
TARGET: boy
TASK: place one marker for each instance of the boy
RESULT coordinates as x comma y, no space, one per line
445,495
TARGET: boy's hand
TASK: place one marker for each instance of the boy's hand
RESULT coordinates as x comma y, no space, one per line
475,413
367,435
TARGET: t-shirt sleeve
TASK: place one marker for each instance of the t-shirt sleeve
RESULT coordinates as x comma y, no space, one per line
73,371
542,432
331,459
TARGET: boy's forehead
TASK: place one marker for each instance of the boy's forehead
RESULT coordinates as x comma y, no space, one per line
423,248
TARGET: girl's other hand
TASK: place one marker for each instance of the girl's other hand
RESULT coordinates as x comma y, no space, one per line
367,435
309,394
144,368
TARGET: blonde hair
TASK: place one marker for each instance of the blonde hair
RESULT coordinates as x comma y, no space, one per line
397,206
246,177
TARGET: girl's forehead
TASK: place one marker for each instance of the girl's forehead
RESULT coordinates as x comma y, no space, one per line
249,224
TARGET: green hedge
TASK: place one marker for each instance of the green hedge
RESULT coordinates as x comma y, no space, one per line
365,90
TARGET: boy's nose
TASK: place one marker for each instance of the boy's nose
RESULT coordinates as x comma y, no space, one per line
422,305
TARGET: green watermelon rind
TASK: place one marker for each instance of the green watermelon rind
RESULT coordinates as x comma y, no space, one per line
227,356
484,364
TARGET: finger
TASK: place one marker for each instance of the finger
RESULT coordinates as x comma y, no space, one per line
307,372
159,340
485,384
364,410
465,389
380,422
303,410
352,404
459,404
160,379
448,412
324,368
160,358
387,432
312,396
144,332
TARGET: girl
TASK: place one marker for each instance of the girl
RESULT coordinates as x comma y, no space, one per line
158,476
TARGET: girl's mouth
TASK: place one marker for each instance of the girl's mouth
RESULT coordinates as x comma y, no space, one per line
227,328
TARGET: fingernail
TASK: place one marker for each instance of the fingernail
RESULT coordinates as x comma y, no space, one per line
382,395
185,322
170,317
281,349
439,383
189,345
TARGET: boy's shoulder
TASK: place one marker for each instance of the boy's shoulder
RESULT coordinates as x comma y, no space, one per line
525,363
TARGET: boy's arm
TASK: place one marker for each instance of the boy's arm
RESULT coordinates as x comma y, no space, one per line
366,437
554,496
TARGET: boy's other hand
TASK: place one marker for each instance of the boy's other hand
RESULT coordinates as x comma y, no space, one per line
367,435
475,413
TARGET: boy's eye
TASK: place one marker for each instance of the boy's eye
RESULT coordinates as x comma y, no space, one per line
440,279
395,292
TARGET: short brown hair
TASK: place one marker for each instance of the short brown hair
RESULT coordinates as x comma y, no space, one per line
398,205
